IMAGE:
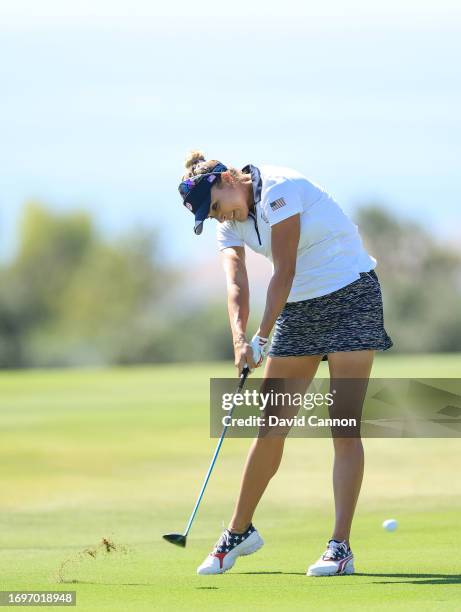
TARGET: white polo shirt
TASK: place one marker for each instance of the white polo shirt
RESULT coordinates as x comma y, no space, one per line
330,251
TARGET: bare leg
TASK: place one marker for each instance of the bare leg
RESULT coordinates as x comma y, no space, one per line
266,453
349,457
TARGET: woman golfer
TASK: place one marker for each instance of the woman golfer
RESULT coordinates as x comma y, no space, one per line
323,301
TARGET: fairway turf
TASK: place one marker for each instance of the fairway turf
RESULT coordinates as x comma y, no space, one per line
121,453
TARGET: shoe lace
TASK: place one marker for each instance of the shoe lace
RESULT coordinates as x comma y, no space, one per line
334,549
223,540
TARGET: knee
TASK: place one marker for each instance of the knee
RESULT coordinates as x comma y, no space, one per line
347,445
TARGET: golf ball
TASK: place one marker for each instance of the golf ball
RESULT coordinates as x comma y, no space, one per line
390,525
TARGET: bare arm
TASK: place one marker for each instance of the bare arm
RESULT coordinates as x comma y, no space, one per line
284,240
238,303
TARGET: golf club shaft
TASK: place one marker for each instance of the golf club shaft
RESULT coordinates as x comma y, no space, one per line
243,377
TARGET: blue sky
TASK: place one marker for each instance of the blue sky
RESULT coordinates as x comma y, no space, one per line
99,106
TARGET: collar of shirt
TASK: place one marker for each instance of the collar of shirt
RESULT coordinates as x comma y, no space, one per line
256,180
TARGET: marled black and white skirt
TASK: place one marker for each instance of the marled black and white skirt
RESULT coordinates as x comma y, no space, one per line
350,319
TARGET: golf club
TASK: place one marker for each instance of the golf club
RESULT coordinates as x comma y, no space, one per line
180,538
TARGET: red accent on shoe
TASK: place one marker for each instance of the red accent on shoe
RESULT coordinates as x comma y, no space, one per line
342,564
220,556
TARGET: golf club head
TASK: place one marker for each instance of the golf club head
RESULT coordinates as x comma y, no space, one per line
176,538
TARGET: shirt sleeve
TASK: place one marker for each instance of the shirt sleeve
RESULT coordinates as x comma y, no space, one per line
281,201
227,235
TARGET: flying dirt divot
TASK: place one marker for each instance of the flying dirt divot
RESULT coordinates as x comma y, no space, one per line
100,551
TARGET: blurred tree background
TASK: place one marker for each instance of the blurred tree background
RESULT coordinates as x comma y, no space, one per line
71,297
421,282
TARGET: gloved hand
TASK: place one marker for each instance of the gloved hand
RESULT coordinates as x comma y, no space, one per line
260,348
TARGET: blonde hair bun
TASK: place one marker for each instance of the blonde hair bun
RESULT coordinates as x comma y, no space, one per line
193,158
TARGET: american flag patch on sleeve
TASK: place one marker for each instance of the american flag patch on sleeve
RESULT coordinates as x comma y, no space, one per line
276,204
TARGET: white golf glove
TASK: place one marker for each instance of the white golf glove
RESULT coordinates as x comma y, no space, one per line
260,347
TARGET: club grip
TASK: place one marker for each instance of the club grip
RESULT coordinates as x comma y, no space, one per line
243,376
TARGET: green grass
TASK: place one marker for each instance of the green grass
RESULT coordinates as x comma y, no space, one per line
121,453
